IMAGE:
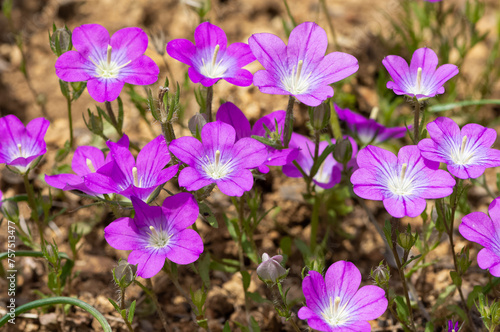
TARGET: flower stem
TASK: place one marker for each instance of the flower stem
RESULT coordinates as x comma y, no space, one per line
149,290
330,24
70,120
334,122
111,114
210,97
33,206
401,272
416,122
288,122
169,134
454,198
315,221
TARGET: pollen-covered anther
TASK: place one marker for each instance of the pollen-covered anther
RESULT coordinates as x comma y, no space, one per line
19,147
135,176
419,78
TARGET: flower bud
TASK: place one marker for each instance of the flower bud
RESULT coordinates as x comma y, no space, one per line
381,275
60,41
463,261
343,151
124,273
10,211
196,123
319,116
270,270
405,241
94,123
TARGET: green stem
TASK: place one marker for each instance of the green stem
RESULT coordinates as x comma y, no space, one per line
23,253
152,295
111,114
416,122
210,97
330,24
315,221
70,120
59,300
401,272
288,122
334,122
169,135
33,206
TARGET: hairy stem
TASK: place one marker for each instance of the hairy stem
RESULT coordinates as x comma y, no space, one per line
416,122
315,221
210,97
288,122
70,120
33,206
111,114
152,295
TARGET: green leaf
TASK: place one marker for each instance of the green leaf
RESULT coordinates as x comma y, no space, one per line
473,295
321,158
257,298
131,312
286,245
226,327
120,114
457,280
246,279
443,296
254,324
401,308
204,269
208,215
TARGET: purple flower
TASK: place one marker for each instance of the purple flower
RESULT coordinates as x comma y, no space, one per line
478,227
300,69
86,160
232,115
336,304
368,131
158,232
20,146
270,270
125,176
451,327
329,173
218,159
107,63
211,59
421,79
403,182
466,152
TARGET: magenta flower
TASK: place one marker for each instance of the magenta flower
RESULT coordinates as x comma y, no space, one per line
125,176
466,152
403,182
329,173
157,233
451,327
218,159
368,131
300,69
86,160
107,63
336,304
211,59
478,227
232,115
421,79
20,146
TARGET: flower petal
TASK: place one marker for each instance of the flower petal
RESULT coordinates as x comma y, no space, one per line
149,262
426,59
368,303
190,178
208,35
128,44
187,149
141,71
229,113
270,51
314,289
73,67
241,77
336,66
478,227
91,40
342,280
182,50
181,210
185,247
487,259
104,89
307,42
80,165
236,184
122,234
152,158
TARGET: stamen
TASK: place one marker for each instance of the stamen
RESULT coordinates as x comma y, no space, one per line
299,70
214,58
403,171
109,55
136,178
337,303
419,78
374,113
217,158
153,230
20,149
464,142
90,165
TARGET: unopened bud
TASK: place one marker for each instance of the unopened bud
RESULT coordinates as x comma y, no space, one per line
196,123
270,270
94,123
343,151
10,210
381,275
319,116
124,273
60,41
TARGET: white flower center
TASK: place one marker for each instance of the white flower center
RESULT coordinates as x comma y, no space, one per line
334,314
322,177
401,185
464,155
158,238
108,68
217,169
296,82
19,147
213,69
136,177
